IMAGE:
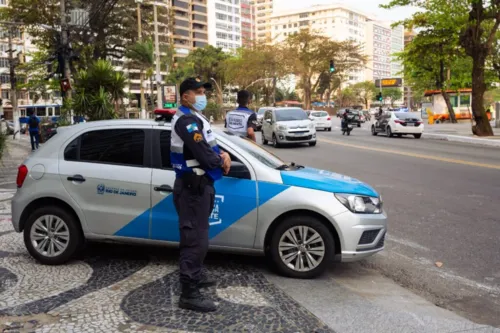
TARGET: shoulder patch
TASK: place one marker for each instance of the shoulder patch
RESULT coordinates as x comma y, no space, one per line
192,127
197,137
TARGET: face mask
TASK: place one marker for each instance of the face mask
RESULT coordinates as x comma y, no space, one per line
201,103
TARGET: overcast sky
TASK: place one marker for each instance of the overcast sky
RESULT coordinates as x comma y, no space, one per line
367,6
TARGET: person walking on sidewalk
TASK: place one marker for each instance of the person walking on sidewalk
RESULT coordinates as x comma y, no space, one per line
34,129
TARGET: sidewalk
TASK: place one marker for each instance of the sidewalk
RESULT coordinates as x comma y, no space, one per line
461,132
14,154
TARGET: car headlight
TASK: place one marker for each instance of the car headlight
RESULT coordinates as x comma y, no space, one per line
360,204
282,127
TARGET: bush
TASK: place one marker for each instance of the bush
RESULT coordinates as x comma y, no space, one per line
213,109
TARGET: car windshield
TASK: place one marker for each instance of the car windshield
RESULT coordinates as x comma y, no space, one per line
254,149
261,111
290,114
320,114
407,116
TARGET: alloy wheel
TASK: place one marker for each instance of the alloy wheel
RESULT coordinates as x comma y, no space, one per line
49,235
301,248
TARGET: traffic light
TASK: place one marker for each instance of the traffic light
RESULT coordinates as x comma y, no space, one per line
332,66
379,97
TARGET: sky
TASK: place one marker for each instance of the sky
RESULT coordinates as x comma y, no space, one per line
367,6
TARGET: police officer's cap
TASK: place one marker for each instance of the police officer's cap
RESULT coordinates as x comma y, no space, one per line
193,84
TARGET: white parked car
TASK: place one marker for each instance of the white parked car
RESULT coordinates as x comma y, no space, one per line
399,124
321,120
286,126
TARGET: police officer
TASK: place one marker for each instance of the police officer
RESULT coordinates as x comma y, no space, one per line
242,121
198,163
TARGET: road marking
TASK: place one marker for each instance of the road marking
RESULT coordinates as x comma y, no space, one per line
428,157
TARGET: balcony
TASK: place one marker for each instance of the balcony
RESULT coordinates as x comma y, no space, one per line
180,4
199,18
199,27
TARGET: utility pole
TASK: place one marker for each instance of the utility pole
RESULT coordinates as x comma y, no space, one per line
139,32
13,87
159,100
66,94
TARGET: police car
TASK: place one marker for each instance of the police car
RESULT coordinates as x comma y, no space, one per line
112,181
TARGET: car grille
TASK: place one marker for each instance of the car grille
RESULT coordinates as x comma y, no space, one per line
298,138
368,237
379,245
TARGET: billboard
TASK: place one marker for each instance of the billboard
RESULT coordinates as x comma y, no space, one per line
390,83
170,96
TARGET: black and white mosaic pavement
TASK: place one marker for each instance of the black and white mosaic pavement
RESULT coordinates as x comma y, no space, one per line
115,288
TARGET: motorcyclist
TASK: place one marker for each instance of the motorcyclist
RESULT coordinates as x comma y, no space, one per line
345,118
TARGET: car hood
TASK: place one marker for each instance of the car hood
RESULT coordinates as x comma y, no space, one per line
295,124
326,181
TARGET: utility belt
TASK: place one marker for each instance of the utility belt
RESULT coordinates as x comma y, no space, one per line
195,183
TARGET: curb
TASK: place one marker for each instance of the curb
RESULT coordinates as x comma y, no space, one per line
462,139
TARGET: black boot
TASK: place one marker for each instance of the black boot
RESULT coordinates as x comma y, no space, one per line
206,282
192,299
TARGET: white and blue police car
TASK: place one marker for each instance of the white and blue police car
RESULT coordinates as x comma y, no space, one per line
112,180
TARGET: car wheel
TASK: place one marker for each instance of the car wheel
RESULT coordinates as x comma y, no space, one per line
264,141
52,235
374,132
302,247
312,144
417,136
329,129
389,132
399,135
275,141
359,125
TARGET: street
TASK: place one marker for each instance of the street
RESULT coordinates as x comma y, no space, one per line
441,199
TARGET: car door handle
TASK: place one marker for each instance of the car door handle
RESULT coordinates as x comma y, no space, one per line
76,178
163,188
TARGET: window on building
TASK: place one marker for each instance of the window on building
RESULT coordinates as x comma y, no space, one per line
295,25
181,23
199,9
199,44
181,32
303,15
4,62
201,18
180,4
454,101
303,23
116,146
464,100
284,26
220,16
5,94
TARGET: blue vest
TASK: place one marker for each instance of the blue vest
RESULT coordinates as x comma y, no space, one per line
183,164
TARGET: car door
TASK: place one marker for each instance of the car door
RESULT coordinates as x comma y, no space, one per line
233,221
107,172
266,126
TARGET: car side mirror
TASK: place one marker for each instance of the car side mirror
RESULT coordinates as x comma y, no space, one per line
239,170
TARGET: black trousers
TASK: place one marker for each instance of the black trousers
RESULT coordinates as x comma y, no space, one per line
194,210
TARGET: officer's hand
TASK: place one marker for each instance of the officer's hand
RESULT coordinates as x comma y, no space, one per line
227,162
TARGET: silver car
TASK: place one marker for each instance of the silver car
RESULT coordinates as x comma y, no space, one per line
113,180
287,126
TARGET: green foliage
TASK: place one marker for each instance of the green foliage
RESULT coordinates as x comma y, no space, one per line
392,94
214,110
286,95
96,89
65,118
364,91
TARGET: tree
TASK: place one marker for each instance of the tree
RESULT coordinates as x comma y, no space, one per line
477,22
346,97
96,89
392,94
364,91
141,56
258,68
309,55
37,80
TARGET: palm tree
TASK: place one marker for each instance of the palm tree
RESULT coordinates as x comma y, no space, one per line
117,89
141,57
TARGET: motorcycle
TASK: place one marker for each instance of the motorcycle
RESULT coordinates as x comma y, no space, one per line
346,127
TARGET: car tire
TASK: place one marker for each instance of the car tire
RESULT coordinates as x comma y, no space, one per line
315,228
275,141
359,125
312,144
374,132
329,129
389,132
399,135
70,237
417,136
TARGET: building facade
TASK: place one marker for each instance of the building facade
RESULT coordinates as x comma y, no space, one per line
247,23
263,13
224,24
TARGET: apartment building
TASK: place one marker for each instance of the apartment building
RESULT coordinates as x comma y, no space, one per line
341,22
263,13
224,24
247,23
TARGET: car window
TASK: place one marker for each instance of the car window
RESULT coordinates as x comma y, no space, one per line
71,150
165,137
113,146
254,149
320,114
290,114
261,111
407,116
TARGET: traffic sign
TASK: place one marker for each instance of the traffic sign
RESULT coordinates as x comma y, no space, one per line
389,83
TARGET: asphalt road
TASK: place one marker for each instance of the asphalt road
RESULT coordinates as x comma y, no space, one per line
442,202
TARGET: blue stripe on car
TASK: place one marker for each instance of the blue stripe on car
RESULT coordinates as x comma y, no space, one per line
240,198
